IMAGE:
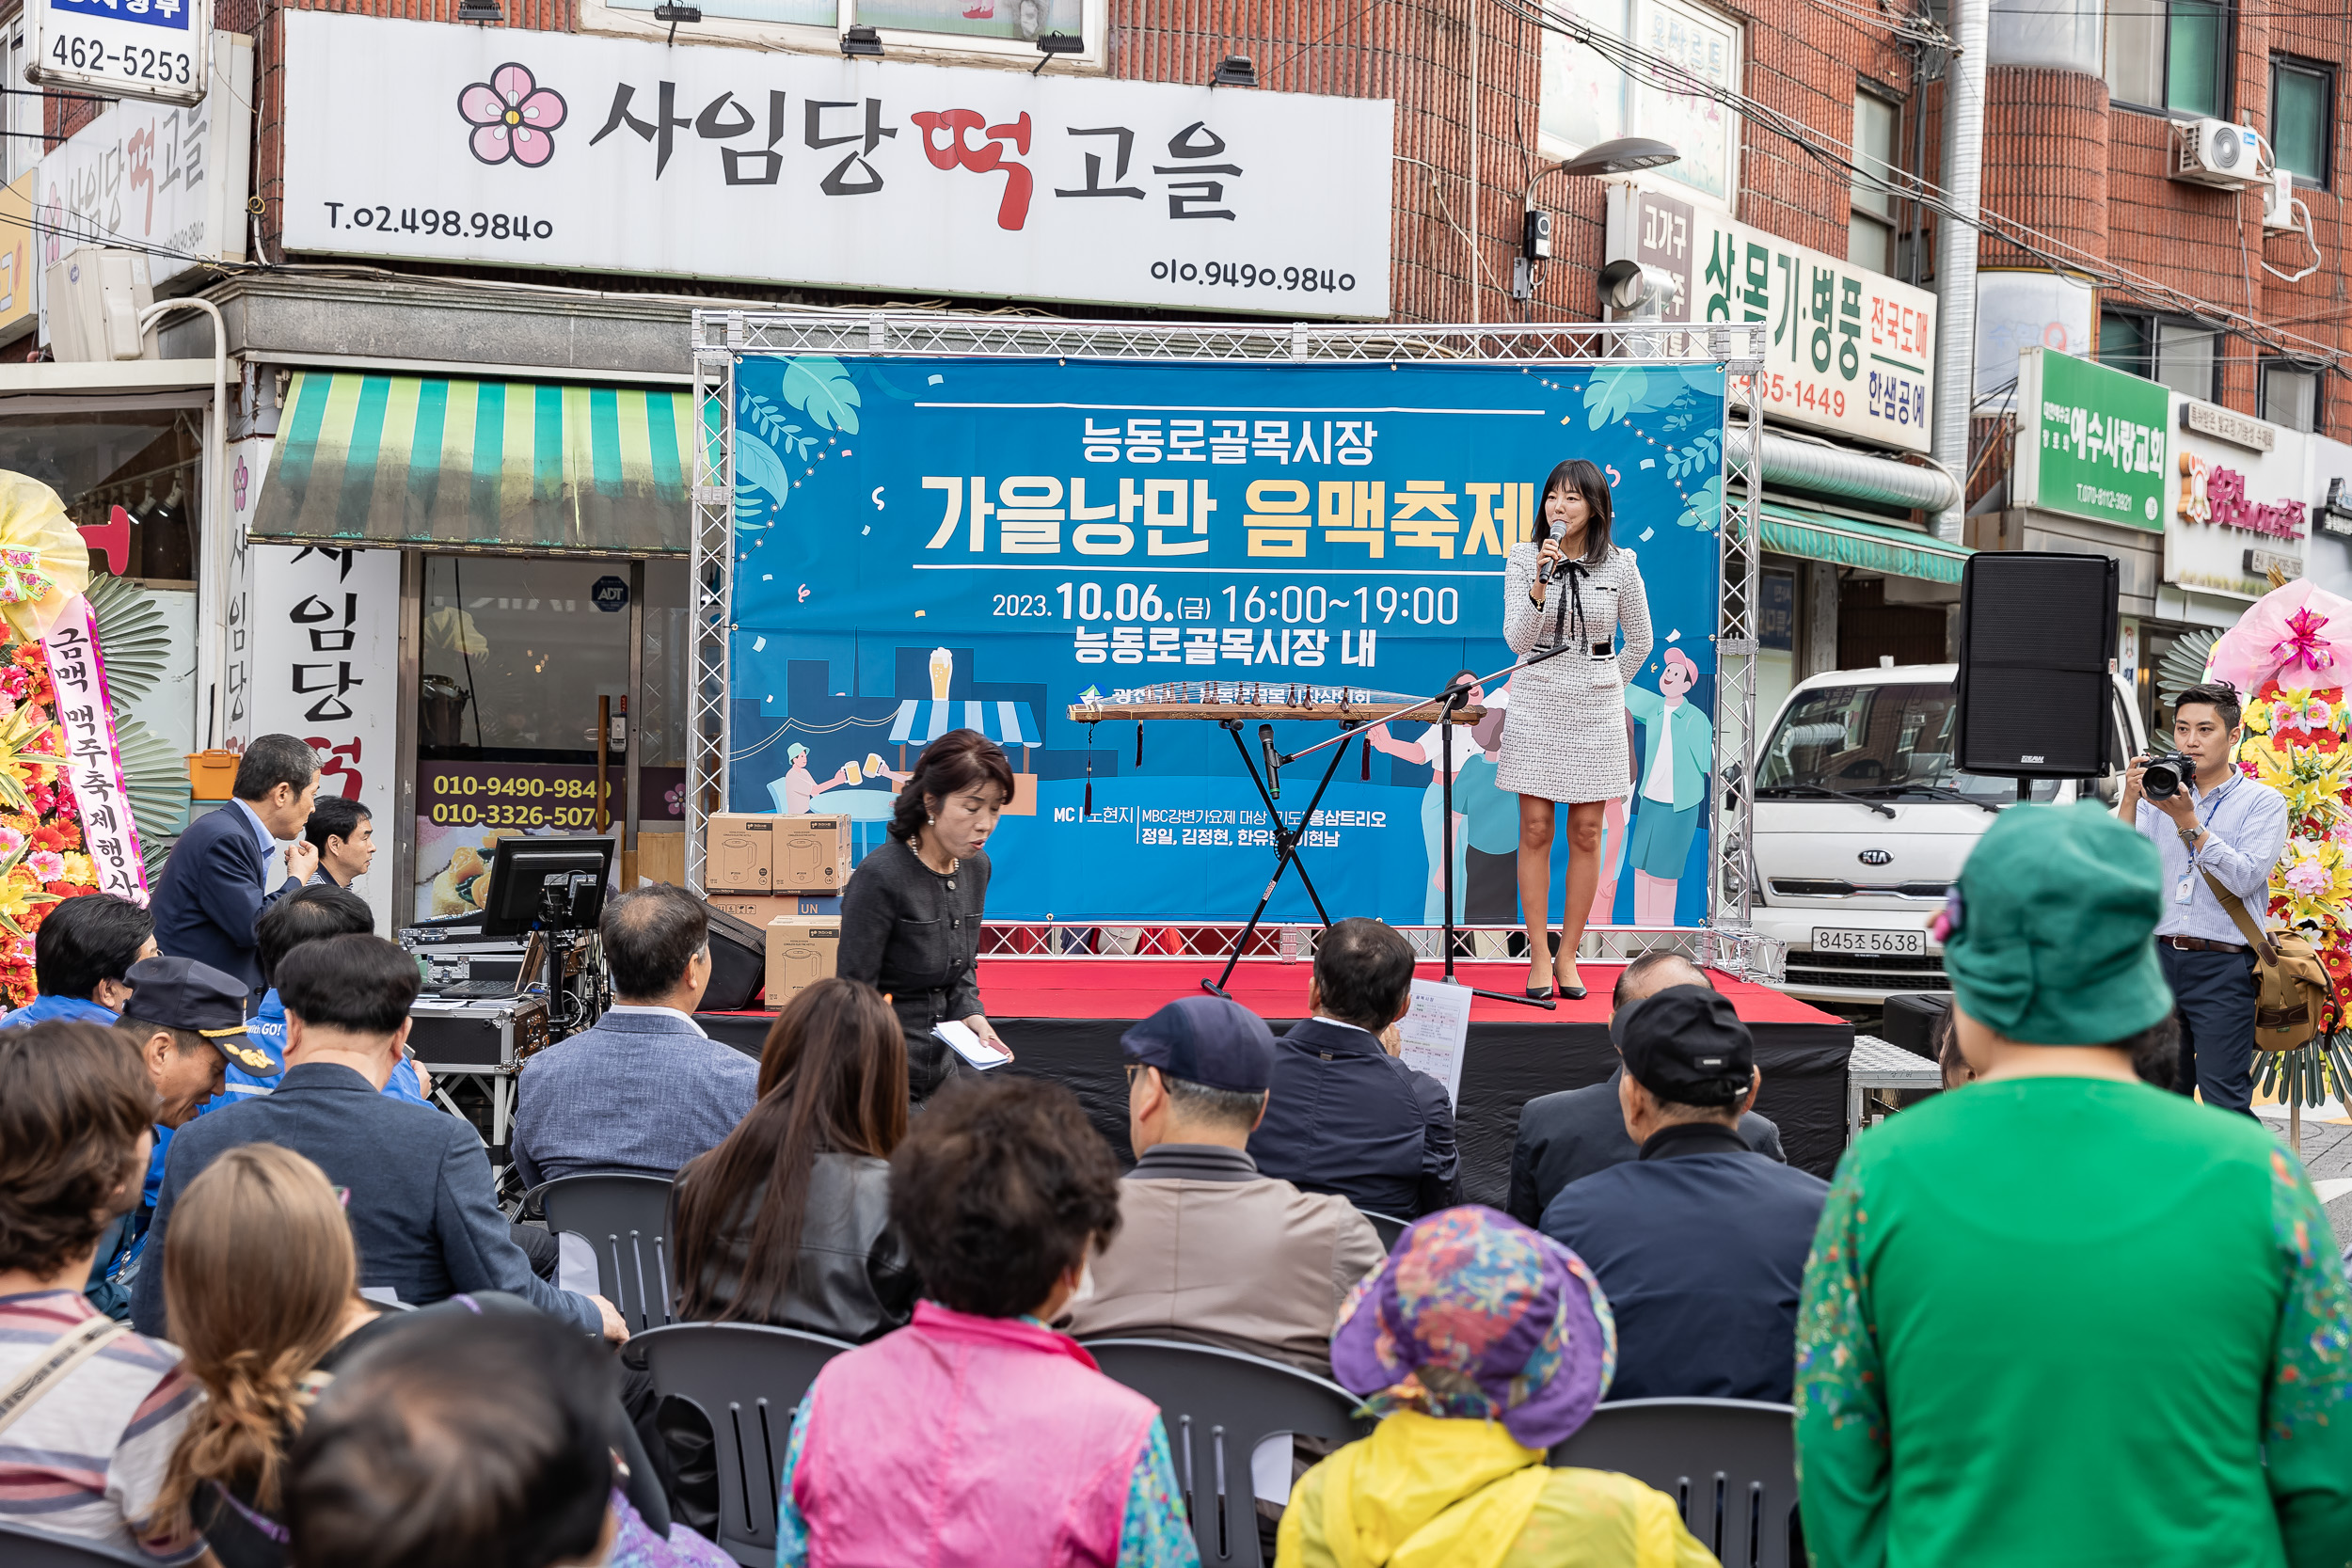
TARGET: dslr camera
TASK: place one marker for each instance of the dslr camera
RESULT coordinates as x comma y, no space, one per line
2165,775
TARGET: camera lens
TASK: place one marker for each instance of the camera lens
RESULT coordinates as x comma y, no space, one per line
2161,780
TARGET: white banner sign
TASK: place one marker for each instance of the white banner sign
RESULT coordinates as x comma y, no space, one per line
1851,349
85,714
558,150
148,50
172,182
322,641
2230,513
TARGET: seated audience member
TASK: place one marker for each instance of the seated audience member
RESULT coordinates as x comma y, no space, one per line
787,1221
416,1188
83,951
1208,1249
312,913
1701,1243
645,1089
86,1447
462,1441
1346,1115
1479,1345
1979,1379
344,836
218,882
976,1435
187,1020
1570,1135
263,1286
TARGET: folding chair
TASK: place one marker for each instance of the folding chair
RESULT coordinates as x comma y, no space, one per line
1729,1464
625,1219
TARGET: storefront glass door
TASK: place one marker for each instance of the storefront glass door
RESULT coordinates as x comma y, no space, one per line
516,656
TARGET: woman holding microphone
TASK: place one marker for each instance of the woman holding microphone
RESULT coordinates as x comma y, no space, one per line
911,919
1565,744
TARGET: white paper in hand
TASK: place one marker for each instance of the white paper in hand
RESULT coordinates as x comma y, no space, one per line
968,1045
1435,1032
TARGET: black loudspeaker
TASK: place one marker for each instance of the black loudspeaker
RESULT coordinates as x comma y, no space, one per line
738,964
1913,1020
2036,633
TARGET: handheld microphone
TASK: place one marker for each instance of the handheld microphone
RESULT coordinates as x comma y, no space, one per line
1273,769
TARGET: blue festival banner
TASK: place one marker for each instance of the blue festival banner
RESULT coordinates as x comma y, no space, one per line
925,544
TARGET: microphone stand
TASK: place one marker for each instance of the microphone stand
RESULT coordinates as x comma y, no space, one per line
1451,699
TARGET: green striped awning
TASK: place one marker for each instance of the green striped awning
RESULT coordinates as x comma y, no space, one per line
515,465
1875,546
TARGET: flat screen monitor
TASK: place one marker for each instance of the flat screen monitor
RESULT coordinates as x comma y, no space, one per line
522,866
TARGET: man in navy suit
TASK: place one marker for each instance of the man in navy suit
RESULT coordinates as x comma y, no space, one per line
214,886
413,1179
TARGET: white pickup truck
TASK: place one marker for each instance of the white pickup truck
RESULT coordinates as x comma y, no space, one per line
1862,823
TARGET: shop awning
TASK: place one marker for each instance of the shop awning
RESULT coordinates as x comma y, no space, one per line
514,465
1875,546
919,723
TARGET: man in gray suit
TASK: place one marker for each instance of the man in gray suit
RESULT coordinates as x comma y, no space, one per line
645,1090
1571,1134
413,1179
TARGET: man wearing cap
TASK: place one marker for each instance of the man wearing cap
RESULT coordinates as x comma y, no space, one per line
187,1020
415,1185
1568,1136
1209,1250
1700,1242
2060,1316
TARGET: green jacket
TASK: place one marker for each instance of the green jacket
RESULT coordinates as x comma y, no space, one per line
1694,739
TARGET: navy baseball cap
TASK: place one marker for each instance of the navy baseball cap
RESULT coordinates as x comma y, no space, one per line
1208,1040
1686,1044
181,994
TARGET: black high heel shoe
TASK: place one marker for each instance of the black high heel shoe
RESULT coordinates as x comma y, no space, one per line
1567,993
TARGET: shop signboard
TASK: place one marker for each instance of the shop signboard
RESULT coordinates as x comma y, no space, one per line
2237,506
2092,441
167,180
17,307
139,51
1851,351
925,544
421,141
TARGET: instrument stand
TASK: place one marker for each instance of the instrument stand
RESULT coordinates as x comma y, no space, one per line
1285,845
1457,698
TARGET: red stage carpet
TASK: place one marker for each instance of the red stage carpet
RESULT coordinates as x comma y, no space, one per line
1063,1018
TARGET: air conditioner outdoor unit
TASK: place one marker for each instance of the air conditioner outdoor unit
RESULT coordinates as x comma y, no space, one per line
2216,152
2279,201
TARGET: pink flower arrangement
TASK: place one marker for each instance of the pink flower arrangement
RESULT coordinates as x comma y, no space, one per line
512,114
47,865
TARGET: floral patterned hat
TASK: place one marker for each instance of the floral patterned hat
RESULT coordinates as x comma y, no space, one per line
1476,1317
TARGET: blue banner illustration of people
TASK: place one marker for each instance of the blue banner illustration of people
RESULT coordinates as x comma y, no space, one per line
927,544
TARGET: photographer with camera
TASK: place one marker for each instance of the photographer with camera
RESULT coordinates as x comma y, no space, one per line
2208,820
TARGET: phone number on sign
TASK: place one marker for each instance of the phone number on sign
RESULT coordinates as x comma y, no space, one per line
1255,275
466,814
531,787
440,220
139,65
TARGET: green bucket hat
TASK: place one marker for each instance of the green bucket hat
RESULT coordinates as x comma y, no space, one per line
2053,941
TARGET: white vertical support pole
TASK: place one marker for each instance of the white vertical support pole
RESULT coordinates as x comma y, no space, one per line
1956,254
712,578
1739,349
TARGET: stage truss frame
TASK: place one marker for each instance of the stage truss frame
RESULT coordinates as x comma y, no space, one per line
723,337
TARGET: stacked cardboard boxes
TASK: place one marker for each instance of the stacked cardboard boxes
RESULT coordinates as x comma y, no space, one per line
759,868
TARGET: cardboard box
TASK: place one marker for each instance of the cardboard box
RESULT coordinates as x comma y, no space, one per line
759,908
743,852
661,858
811,855
803,949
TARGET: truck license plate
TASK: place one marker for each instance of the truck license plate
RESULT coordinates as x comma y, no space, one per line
1828,941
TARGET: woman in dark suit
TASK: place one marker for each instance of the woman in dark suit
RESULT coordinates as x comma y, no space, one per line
911,919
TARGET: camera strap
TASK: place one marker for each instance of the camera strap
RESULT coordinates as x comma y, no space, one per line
2240,917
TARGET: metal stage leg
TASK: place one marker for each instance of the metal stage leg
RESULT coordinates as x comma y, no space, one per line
1286,851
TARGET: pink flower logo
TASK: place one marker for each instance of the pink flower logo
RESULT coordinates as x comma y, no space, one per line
512,114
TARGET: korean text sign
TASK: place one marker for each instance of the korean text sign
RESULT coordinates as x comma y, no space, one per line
925,544
1850,351
606,154
2092,440
77,672
152,49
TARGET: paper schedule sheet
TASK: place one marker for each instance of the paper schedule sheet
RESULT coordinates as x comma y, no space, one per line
1435,1032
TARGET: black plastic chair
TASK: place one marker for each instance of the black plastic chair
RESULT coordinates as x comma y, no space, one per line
1729,1464
1389,1226
626,1219
746,1379
1218,1405
21,1546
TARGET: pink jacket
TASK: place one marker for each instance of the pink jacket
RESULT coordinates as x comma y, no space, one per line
967,1440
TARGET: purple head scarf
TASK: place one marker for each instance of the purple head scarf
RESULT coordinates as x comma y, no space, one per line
1475,1316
